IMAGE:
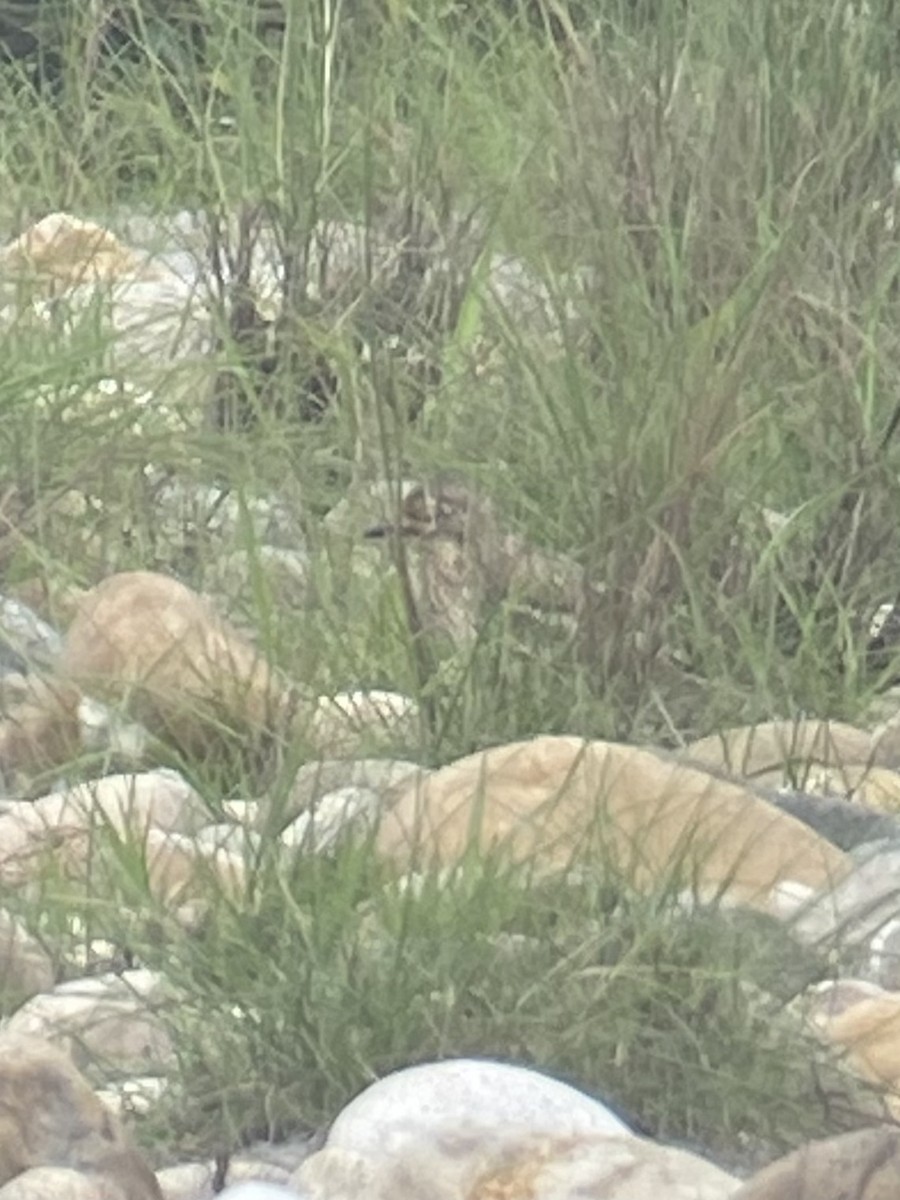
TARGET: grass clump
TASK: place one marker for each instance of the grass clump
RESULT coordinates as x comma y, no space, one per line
701,414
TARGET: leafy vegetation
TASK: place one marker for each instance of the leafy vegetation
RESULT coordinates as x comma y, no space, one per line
707,192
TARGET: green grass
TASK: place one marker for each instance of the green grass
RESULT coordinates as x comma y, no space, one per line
707,192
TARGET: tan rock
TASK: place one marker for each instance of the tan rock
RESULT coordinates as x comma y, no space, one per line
751,750
145,641
25,966
864,1165
50,1117
180,870
869,1032
455,1164
40,728
549,799
71,251
65,825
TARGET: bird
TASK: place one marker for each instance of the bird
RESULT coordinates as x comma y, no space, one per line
464,563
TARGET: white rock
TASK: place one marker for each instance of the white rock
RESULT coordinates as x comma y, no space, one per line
258,1190
440,1095
457,1163
56,1183
319,829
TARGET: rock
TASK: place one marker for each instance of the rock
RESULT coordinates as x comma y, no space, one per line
50,1117
70,251
863,1165
182,872
25,966
33,642
860,912
58,1183
869,1031
106,1018
458,1163
343,724
549,799
41,729
162,798
257,1190
194,1181
314,780
479,1092
148,642
319,830
845,822
66,824
751,750
825,1000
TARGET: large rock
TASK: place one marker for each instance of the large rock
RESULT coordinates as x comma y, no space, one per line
477,1092
463,1164
110,1019
753,750
25,966
550,799
65,825
50,1117
869,1033
146,641
864,1165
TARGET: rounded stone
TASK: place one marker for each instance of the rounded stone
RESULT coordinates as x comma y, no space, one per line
477,1092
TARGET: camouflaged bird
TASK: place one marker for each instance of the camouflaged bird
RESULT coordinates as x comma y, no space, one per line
463,564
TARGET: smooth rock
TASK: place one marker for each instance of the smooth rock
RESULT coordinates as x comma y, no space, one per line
479,1092
548,800
25,966
319,830
863,1165
59,1183
106,1018
347,722
72,251
41,729
27,636
462,1164
751,750
50,1117
860,912
146,641
66,824
258,1190
317,779
869,1032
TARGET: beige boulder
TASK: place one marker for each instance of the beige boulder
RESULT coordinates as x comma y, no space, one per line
147,642
869,1033
63,826
25,966
49,1117
753,750
71,251
550,799
864,1165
